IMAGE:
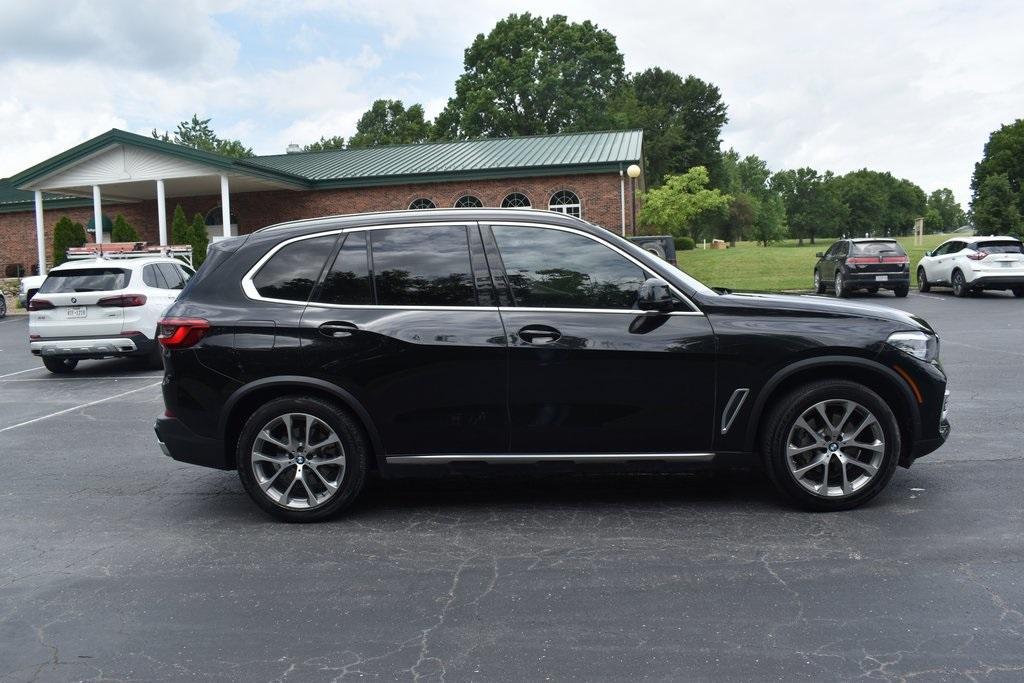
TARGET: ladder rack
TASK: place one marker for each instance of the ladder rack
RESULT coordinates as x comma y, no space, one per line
130,250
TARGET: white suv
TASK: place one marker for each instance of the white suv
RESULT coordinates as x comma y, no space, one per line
98,308
969,264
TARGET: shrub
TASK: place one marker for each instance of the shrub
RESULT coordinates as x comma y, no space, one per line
179,227
685,243
66,234
199,238
123,231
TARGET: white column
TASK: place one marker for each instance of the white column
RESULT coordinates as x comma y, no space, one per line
161,208
622,199
40,233
225,205
97,214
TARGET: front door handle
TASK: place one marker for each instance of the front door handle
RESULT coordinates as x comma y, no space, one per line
337,329
539,334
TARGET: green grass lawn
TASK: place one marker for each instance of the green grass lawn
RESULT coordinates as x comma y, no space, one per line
782,267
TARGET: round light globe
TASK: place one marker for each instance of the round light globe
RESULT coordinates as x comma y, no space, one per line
633,171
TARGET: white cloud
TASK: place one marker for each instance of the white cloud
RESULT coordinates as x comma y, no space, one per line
914,88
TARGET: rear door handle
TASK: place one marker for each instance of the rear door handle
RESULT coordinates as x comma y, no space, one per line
539,334
337,329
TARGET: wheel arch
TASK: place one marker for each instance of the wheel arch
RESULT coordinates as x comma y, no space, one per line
882,380
248,397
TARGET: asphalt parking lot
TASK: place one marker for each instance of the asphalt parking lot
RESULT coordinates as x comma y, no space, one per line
117,563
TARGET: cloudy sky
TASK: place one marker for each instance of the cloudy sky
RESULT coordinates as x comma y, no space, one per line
909,87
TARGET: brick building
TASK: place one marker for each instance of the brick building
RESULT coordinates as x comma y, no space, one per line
582,174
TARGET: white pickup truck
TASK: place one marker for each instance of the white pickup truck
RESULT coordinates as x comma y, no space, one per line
28,287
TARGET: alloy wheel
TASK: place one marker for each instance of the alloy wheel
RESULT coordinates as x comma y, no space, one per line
839,284
835,448
298,461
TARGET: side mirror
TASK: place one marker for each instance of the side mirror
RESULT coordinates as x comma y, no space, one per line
820,254
655,295
927,253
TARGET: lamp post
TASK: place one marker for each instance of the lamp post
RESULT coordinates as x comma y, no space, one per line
633,172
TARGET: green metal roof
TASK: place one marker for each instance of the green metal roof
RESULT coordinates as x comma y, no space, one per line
481,157
369,166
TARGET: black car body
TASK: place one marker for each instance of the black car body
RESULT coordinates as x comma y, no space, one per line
509,336
868,264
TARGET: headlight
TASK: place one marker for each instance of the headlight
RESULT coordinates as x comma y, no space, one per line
916,344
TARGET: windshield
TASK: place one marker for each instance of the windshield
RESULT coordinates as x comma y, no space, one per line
877,249
1000,247
85,280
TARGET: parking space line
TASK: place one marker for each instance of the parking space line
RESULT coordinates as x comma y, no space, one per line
84,405
19,372
78,379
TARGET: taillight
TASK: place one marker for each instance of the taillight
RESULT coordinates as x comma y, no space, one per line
37,304
122,301
978,255
860,260
181,333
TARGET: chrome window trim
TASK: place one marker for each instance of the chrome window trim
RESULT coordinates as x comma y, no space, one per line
249,289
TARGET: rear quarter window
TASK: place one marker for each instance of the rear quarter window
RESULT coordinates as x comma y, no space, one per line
85,280
291,273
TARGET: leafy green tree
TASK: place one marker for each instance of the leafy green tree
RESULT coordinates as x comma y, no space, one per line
1003,153
198,134
681,201
944,212
770,221
682,121
739,218
66,234
179,227
123,231
879,203
995,207
532,75
811,202
388,122
199,238
324,144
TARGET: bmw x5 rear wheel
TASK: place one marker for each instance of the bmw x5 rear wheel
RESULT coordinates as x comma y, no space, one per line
831,445
302,459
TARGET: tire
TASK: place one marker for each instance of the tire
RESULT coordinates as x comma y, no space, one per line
901,291
819,286
840,287
960,288
60,366
342,463
1018,292
3,306
923,285
780,430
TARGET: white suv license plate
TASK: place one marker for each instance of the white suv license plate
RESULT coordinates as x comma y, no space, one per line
77,311
881,278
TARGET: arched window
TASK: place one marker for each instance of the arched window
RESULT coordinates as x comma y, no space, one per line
214,220
421,203
516,200
468,201
565,202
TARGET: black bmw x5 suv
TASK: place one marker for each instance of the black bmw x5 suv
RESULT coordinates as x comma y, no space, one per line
307,354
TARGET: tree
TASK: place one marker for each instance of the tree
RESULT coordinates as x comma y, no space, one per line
199,238
677,205
945,212
123,231
770,221
1003,153
530,76
681,119
324,144
179,227
740,217
197,134
879,203
995,207
66,234
811,202
388,122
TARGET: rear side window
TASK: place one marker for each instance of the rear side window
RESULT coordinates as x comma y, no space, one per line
878,249
555,269
426,266
152,277
348,280
291,273
85,280
172,275
999,247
